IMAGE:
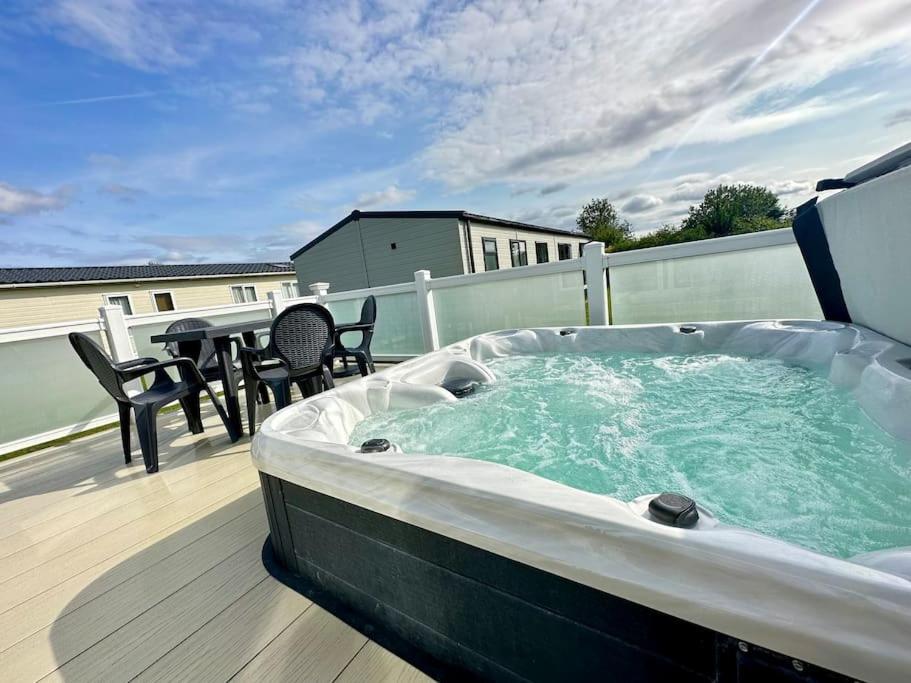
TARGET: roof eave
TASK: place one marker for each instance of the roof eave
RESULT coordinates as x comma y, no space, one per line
62,283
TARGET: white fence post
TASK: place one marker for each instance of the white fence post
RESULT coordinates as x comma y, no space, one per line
277,302
319,289
426,310
593,263
117,333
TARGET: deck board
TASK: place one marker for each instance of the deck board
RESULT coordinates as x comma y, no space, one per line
225,644
374,663
107,573
316,647
52,605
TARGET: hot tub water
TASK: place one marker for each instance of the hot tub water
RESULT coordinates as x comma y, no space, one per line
762,444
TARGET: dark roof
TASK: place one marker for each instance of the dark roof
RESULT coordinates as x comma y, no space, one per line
26,276
462,215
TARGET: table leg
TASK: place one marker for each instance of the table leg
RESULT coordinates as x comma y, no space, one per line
229,386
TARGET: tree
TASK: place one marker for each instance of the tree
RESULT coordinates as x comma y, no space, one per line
600,221
733,210
724,210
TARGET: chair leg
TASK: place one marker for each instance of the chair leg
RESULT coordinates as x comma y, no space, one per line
252,390
190,405
147,426
328,382
124,409
282,392
369,357
362,366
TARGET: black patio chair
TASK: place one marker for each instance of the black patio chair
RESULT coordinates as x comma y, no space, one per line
300,350
146,404
205,358
360,353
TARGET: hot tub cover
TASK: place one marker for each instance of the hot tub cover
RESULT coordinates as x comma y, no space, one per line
850,616
856,244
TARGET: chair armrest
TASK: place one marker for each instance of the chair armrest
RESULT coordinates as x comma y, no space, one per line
250,353
353,327
257,359
183,364
128,364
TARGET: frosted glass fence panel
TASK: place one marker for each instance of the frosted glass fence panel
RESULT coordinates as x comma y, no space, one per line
751,284
46,386
539,301
143,332
398,327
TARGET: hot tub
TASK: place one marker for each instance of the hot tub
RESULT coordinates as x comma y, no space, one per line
504,574
480,568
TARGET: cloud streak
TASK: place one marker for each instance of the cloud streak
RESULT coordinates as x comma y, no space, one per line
529,92
17,201
392,195
899,116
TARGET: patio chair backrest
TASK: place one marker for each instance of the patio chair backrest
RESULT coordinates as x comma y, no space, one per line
302,336
100,363
206,358
368,311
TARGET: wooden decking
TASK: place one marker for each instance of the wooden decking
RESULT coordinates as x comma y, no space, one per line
107,573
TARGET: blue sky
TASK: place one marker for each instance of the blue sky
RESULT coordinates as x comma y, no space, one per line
236,131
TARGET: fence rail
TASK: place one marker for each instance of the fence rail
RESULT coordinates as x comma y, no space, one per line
760,275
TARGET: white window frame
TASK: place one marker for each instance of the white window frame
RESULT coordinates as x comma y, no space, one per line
243,291
129,297
292,285
169,292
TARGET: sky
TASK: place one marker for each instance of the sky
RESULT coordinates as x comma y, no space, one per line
224,130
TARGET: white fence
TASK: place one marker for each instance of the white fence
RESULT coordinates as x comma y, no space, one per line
746,277
49,394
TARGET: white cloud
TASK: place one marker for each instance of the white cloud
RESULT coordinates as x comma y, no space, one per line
692,188
788,187
526,92
16,201
640,203
266,245
145,35
556,216
899,116
391,195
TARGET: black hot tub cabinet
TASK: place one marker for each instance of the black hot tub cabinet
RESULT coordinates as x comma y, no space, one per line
460,612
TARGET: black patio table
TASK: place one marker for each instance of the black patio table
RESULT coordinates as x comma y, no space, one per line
188,345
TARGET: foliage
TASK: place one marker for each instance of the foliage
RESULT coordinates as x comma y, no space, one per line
600,221
725,210
734,210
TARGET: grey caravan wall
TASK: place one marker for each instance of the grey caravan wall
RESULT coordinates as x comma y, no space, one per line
857,246
372,252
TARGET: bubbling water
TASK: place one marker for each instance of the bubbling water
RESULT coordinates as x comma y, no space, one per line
762,444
